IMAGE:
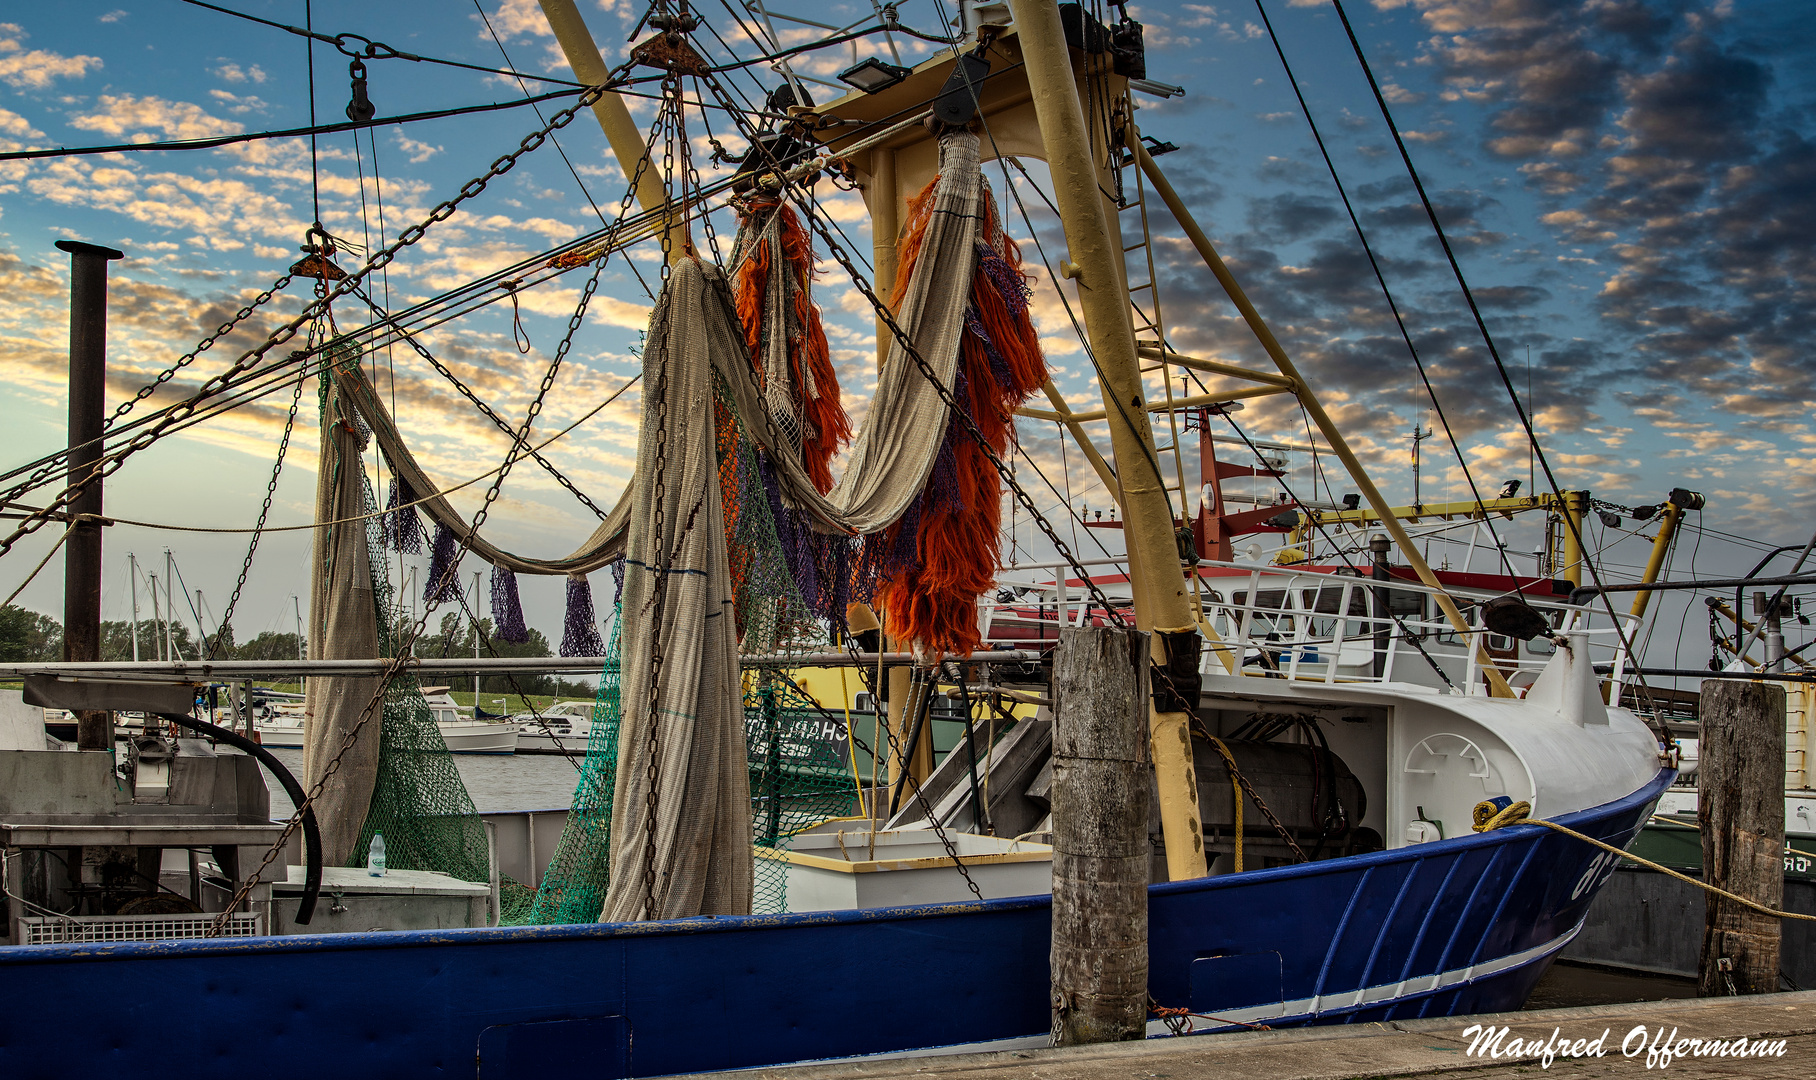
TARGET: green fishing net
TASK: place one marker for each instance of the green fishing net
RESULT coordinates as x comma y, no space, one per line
800,775
419,801
573,885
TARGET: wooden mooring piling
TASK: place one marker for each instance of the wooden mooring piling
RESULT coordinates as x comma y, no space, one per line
1740,807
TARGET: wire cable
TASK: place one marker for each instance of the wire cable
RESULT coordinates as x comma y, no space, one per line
373,50
1494,352
287,133
1387,293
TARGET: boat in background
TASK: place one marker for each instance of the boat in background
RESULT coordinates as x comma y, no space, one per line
283,728
562,728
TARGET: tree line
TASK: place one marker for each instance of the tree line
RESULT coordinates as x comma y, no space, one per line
32,637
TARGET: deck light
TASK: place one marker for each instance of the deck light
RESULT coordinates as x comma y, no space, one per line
873,75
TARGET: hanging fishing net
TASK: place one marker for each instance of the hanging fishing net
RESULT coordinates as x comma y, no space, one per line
419,801
737,515
573,885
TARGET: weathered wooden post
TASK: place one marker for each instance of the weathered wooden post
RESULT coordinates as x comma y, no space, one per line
1100,836
1740,807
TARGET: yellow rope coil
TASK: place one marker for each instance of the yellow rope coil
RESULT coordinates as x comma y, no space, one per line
1489,817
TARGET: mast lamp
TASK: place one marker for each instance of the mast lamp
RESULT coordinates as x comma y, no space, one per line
873,75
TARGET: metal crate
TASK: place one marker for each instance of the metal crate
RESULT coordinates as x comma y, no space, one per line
77,929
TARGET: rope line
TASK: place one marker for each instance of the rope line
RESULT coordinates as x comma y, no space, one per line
1489,817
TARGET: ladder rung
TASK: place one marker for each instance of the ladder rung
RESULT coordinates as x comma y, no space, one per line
1134,247
1144,285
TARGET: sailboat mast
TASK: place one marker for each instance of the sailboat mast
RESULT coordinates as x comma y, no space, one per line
132,575
1161,601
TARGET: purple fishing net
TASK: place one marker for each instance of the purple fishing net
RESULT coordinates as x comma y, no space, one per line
399,526
442,583
999,367
579,629
1011,284
507,608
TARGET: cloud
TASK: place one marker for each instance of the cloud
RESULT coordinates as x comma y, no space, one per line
417,151
233,73
120,114
515,18
114,16
37,68
239,104
11,123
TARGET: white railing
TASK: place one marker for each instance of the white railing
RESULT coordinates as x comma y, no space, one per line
1278,622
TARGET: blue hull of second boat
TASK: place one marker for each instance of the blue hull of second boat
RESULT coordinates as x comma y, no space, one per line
1458,926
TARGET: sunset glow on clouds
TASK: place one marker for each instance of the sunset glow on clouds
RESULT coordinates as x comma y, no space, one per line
1631,187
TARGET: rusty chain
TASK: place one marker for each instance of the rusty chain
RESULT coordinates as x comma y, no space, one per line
258,528
485,410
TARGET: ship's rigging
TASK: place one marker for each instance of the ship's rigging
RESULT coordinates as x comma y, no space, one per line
791,146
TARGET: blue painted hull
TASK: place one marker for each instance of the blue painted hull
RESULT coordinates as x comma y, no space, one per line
1458,926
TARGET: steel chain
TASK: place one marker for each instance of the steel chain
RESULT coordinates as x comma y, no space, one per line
669,119
404,652
258,528
897,753
1229,759
221,383
56,460
406,645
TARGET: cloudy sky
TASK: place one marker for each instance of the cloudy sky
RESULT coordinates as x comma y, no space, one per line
1630,187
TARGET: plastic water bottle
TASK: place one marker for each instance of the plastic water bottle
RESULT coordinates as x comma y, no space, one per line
375,861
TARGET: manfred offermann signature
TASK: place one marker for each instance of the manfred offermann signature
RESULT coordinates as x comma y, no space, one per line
1655,1045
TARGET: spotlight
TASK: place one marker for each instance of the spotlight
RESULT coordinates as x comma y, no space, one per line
1509,489
873,75
1352,501
1511,616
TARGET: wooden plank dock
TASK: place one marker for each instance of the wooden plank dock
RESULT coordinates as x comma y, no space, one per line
1433,1047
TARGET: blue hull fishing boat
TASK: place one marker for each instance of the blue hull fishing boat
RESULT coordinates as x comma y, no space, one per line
1333,752
1457,926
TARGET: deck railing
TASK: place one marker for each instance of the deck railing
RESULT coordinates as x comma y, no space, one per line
1270,621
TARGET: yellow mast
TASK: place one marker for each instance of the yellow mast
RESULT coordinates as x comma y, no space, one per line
1497,683
1161,599
626,137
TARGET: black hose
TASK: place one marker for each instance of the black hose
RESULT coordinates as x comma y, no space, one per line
923,707
312,834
